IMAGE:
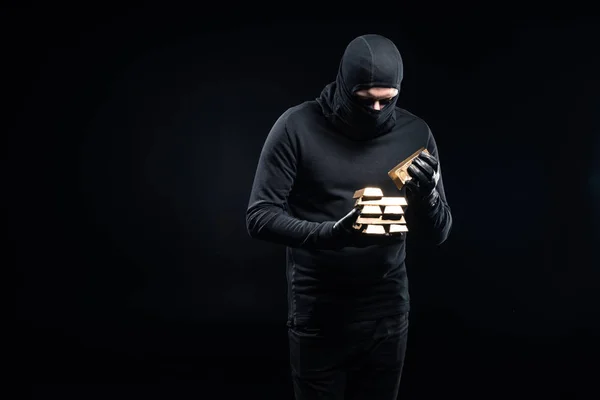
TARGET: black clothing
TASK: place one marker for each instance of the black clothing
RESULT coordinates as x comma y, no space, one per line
305,180
310,167
358,361
348,299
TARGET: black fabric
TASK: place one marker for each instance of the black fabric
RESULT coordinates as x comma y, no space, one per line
368,61
305,180
357,361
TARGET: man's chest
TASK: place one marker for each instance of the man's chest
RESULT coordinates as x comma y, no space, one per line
337,168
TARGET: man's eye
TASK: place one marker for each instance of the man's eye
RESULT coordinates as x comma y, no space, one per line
369,101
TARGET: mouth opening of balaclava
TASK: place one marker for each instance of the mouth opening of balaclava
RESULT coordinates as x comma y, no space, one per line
368,61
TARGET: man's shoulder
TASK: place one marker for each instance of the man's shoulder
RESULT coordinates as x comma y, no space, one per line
404,114
405,117
307,109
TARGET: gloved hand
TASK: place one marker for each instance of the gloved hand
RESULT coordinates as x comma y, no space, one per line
424,171
343,227
348,236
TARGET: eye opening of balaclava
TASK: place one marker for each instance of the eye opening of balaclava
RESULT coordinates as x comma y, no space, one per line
369,101
369,61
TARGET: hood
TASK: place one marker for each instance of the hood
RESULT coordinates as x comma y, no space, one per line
368,61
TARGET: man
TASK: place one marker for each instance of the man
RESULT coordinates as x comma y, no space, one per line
348,294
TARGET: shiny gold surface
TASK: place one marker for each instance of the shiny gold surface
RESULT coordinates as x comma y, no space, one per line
399,173
379,215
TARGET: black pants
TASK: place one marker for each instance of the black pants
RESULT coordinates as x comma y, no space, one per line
359,360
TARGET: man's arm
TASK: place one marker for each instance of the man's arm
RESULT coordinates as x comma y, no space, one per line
432,215
266,216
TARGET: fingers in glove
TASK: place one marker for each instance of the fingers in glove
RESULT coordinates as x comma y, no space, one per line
425,167
412,184
429,159
353,214
417,173
411,187
350,218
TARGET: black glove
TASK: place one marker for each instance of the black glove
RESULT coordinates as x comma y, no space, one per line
343,227
424,171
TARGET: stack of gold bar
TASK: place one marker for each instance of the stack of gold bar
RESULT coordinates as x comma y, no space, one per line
379,215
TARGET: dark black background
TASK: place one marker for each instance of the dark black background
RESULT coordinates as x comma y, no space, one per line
134,139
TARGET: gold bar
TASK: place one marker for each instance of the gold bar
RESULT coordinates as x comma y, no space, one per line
370,210
398,228
393,210
370,192
399,173
384,201
377,221
375,230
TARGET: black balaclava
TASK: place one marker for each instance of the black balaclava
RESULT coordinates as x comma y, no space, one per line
368,61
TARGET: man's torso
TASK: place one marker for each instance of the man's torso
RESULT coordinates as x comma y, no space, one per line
352,283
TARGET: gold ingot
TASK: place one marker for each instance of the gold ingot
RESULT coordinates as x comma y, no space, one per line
399,173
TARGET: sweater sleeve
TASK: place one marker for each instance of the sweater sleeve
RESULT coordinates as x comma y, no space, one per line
266,216
433,217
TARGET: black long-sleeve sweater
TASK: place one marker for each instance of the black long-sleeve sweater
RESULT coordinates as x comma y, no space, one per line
304,182
311,164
